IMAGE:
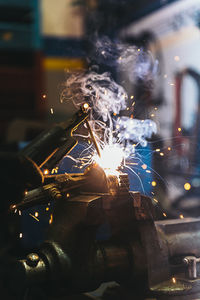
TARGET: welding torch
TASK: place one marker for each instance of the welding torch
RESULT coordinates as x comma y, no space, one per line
46,151
55,142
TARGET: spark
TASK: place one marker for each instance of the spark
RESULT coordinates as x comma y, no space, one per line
174,280
34,217
46,172
111,158
54,170
51,219
187,186
176,58
144,166
86,106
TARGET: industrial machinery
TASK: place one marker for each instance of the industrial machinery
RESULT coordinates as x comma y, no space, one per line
99,232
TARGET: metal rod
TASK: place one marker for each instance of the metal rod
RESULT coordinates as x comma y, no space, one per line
93,137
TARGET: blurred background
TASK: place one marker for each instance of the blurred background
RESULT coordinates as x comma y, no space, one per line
42,41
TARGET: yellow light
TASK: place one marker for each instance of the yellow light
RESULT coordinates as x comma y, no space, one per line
152,115
36,214
181,216
20,235
47,208
52,111
86,106
46,172
161,154
155,200
164,214
54,170
179,129
174,280
110,159
187,186
68,195
138,50
51,219
132,96
169,148
157,150
144,166
153,183
44,96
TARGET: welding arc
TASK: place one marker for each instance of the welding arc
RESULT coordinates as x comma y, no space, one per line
92,137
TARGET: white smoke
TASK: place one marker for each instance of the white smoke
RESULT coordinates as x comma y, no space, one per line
107,98
135,130
103,94
136,62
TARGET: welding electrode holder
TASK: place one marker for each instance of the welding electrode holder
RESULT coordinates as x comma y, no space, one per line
54,143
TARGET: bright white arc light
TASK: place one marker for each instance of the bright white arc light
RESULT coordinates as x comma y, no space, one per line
111,158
